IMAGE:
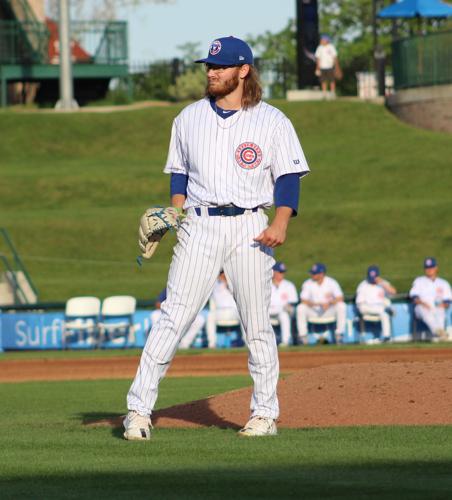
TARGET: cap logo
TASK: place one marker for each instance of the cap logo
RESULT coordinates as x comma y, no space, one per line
241,58
428,262
215,47
248,155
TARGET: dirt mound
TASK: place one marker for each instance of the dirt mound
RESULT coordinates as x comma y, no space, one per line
382,393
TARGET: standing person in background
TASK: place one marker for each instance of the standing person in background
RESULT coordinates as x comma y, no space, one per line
327,66
320,296
192,332
373,297
431,297
222,307
231,156
283,301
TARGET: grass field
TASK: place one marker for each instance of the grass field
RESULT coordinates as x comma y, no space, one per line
48,453
74,185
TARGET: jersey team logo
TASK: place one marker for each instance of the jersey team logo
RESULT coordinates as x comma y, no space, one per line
248,155
215,47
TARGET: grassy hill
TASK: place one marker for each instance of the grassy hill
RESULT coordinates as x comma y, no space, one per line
74,185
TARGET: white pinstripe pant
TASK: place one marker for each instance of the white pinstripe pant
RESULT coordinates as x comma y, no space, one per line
214,243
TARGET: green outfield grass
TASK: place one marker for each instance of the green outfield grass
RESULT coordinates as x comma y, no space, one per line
111,353
48,453
74,185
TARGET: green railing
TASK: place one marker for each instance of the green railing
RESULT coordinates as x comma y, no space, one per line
422,60
28,42
106,42
23,42
12,271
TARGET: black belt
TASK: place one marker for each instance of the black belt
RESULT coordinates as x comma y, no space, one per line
226,211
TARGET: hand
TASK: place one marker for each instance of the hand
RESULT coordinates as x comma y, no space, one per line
273,236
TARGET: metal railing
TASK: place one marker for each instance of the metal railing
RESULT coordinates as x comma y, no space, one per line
27,42
422,60
12,271
23,42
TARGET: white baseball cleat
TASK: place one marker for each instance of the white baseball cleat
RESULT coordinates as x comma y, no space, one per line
259,426
137,427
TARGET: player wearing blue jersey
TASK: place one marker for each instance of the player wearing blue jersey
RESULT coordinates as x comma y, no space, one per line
231,156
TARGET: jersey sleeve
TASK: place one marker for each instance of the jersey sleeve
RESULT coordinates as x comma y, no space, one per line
288,156
305,293
336,289
292,293
415,289
360,293
176,162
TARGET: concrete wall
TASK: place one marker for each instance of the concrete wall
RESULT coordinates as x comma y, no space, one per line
424,107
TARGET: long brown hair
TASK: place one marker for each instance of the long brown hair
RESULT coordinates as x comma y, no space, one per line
252,90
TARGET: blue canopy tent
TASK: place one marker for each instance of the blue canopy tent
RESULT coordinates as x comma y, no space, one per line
416,8
423,59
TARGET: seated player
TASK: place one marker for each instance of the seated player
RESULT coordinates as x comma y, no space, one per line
373,297
192,332
321,296
431,296
283,300
222,308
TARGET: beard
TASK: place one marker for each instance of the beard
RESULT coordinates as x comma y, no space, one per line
221,89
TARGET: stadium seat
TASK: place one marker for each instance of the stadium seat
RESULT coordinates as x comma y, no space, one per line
322,329
80,319
229,331
116,319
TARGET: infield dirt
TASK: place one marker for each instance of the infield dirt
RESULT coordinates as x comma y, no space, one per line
319,389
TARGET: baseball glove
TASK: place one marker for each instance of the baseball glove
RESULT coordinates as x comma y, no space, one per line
154,224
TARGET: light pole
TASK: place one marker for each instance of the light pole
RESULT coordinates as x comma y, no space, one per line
66,100
378,54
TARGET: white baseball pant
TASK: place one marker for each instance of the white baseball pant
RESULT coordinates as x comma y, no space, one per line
192,332
434,318
382,313
206,245
284,321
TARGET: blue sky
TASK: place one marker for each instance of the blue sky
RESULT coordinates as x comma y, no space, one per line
156,30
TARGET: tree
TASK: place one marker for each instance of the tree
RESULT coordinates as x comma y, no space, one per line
190,85
276,55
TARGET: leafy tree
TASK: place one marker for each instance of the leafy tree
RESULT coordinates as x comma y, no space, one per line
190,85
276,56
154,83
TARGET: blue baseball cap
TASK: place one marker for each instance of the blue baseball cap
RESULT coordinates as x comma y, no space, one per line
326,37
429,262
372,273
280,267
228,51
318,268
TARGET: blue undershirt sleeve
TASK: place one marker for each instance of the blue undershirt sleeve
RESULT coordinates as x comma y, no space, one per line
178,184
287,192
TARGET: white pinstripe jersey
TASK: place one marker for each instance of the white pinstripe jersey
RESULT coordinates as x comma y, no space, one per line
235,160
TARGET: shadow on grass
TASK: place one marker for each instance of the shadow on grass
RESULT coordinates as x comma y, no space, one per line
186,415
416,481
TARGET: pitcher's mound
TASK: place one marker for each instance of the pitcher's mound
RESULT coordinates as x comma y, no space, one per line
394,393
